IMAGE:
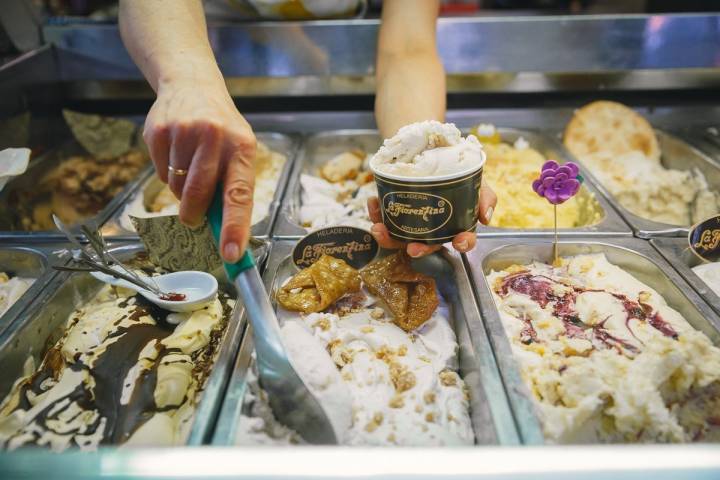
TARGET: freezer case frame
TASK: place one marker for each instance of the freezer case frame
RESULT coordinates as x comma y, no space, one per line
488,404
634,255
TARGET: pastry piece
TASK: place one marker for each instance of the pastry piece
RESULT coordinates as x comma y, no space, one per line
345,166
610,127
410,295
315,288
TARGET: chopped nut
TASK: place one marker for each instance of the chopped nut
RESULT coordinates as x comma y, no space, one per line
391,438
429,397
347,376
430,417
450,417
377,313
425,359
374,423
402,350
367,329
402,378
448,378
323,324
397,401
418,408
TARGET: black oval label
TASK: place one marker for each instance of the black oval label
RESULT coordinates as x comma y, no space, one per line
704,239
417,213
353,245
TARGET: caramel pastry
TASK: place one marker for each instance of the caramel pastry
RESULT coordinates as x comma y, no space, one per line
411,296
345,166
315,288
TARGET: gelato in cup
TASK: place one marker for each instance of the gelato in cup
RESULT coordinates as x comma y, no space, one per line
428,179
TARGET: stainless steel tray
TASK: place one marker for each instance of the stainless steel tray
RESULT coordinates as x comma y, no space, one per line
491,417
315,151
635,256
38,167
611,224
21,261
678,254
43,324
677,154
279,142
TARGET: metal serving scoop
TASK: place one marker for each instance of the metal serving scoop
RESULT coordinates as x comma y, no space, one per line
292,402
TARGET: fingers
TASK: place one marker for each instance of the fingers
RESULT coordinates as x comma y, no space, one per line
157,138
184,142
238,203
487,203
381,234
417,250
464,242
201,181
373,205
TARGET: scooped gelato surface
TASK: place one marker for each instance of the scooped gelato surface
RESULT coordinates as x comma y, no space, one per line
605,358
11,289
123,372
428,149
710,274
379,384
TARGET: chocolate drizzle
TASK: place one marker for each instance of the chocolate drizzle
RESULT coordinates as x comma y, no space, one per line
541,289
113,422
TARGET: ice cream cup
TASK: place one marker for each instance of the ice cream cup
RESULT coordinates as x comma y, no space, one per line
429,209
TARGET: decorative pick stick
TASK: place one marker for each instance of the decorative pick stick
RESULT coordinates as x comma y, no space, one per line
557,184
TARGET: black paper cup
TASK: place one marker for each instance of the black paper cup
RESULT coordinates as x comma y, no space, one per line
429,210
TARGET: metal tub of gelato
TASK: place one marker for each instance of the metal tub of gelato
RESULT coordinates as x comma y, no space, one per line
685,190
703,276
514,160
404,387
72,184
276,153
608,345
330,183
92,365
23,274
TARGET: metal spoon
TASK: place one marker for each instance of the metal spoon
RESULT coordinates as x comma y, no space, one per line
292,402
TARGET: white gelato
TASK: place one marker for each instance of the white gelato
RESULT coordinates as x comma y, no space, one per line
428,149
710,274
92,385
268,167
339,195
11,289
649,190
605,358
378,384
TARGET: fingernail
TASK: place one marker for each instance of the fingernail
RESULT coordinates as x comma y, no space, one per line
462,246
376,230
415,252
231,252
489,213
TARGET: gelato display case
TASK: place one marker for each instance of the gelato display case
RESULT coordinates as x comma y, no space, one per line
606,362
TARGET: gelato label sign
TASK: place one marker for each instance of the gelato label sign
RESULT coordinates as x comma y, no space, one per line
353,245
704,239
417,213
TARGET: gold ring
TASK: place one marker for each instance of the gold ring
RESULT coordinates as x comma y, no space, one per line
177,171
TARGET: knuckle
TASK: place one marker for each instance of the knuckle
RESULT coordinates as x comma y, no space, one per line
239,193
193,191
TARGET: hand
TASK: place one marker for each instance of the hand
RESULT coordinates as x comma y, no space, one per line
195,128
463,242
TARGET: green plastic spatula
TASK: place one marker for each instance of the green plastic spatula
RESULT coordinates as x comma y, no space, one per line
292,402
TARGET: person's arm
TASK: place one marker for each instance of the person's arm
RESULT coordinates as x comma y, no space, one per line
195,135
409,74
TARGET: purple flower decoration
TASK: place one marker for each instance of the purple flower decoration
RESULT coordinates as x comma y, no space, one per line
558,183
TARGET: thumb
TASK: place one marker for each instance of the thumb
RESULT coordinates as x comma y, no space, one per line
237,210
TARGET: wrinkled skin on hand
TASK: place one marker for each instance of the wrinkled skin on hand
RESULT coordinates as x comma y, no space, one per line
315,288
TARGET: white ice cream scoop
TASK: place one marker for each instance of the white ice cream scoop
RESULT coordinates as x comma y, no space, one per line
183,291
